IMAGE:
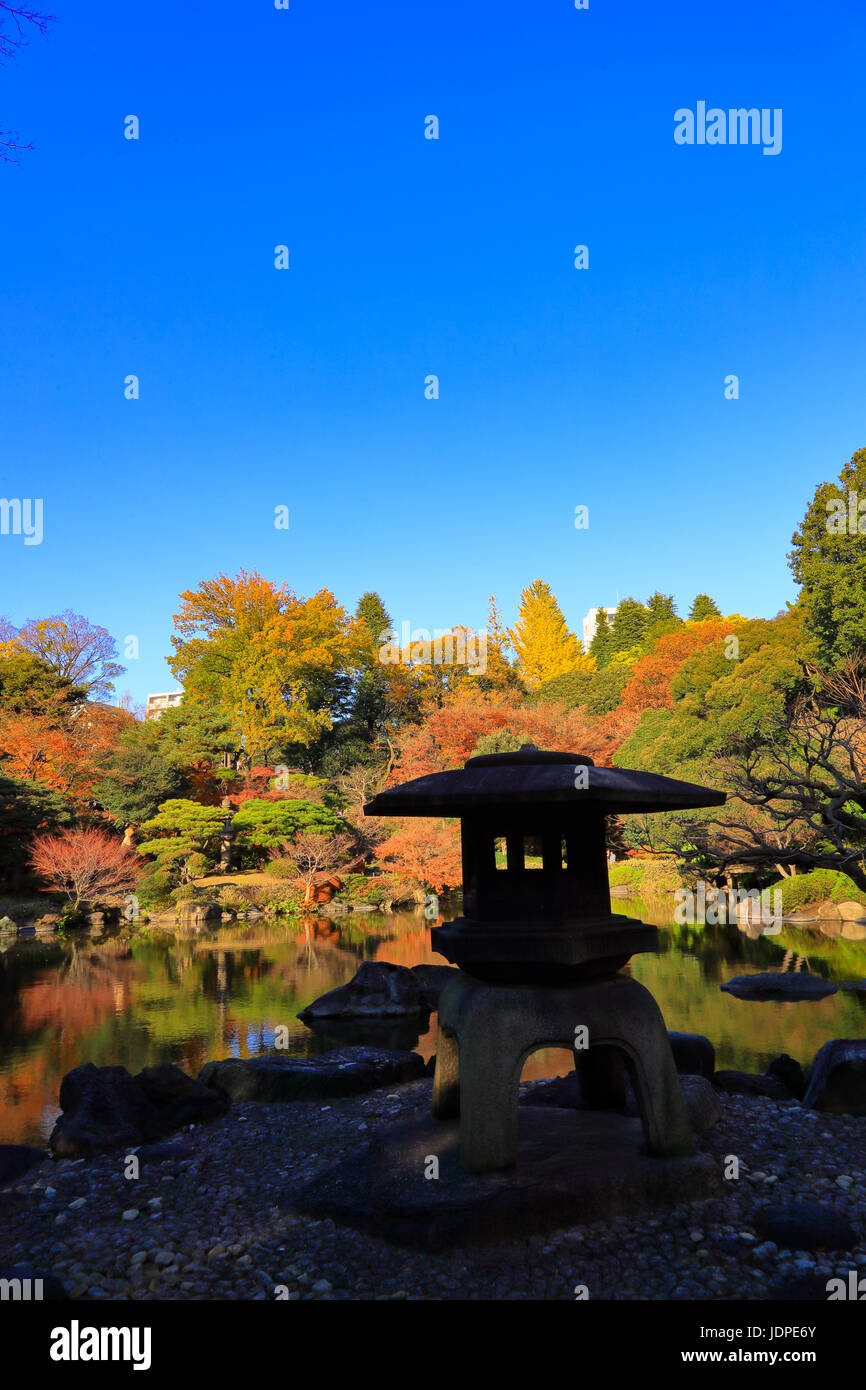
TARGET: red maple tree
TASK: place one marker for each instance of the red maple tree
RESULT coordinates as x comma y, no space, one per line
84,864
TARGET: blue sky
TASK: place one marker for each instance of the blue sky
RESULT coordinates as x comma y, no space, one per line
410,257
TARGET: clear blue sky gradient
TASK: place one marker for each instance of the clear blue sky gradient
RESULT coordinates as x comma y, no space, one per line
408,257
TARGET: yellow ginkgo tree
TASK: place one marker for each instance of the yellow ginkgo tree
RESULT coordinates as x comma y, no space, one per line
543,645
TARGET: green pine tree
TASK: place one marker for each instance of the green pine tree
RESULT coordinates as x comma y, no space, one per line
629,625
704,607
660,607
601,646
829,560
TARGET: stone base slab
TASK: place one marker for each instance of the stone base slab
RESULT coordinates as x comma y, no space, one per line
573,1167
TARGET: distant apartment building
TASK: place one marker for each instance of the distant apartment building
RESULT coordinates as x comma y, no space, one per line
590,624
157,704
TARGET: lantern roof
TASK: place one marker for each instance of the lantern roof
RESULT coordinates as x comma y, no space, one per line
535,777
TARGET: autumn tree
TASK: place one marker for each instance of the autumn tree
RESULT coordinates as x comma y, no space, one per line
84,864
649,680
76,649
543,645
501,679
424,849
444,664
313,854
277,665
65,754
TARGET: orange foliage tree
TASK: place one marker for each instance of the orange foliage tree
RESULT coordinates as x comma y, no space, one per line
429,850
649,685
425,850
84,864
448,736
67,755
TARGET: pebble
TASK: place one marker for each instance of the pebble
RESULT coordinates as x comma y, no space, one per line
220,1234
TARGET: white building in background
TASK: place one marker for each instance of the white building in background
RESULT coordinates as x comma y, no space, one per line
590,624
156,704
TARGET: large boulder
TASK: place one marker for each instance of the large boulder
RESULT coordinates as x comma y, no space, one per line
702,1103
828,911
105,1108
805,1226
198,915
433,979
346,1072
176,1099
837,1078
790,1073
777,984
378,990
852,912
694,1055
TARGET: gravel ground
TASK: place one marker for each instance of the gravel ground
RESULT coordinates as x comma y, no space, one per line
208,1227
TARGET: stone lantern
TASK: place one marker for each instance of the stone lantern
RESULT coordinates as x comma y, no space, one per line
538,948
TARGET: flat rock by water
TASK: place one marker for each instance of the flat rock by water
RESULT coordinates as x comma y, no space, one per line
346,1072
743,1083
378,990
775,984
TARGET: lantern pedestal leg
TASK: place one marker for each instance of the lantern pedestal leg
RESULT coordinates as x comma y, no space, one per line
487,1031
446,1078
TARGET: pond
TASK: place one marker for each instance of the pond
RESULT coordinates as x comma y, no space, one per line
136,997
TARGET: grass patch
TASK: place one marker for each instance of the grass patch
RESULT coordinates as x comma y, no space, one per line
646,876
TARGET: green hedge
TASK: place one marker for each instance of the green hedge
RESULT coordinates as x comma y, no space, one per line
817,887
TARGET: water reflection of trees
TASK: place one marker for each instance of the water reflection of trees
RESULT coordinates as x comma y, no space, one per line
140,997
